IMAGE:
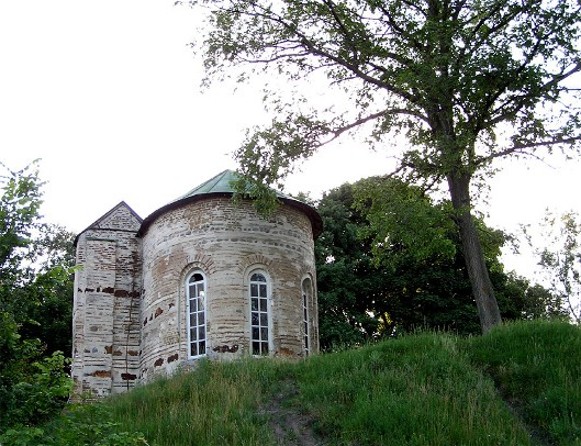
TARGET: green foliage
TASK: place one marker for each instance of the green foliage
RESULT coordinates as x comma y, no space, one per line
390,260
404,224
81,425
519,299
35,304
264,196
536,367
50,300
271,154
36,258
345,274
477,64
33,388
558,247
19,205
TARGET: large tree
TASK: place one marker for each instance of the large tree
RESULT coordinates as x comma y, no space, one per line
389,261
467,81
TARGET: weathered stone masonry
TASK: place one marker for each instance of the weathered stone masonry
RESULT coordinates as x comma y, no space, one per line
106,332
131,316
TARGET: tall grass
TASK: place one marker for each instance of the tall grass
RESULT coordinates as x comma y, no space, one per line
419,390
214,405
537,368
426,389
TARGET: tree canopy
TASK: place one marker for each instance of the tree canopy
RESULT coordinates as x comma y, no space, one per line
466,81
389,261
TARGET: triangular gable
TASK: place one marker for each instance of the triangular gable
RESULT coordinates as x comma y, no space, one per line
120,218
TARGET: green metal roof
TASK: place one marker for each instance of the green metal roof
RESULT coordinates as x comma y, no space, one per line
221,185
218,184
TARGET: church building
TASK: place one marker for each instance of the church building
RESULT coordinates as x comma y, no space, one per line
201,277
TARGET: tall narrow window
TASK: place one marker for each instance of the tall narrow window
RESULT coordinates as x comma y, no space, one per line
259,314
196,286
306,299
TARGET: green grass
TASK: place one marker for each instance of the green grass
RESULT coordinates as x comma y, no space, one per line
518,385
537,367
419,390
215,405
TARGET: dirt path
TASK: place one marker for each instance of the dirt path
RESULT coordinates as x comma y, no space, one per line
290,426
537,436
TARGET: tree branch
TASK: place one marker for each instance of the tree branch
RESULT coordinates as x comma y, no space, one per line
394,111
518,102
521,147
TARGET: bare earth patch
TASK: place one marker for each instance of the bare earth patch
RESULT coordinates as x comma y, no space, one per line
290,426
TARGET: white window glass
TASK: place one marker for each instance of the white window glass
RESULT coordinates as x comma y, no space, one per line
259,314
196,294
305,325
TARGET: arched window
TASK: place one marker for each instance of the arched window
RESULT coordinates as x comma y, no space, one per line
307,298
196,307
260,336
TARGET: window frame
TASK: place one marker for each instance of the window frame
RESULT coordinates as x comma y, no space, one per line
260,310
200,340
306,299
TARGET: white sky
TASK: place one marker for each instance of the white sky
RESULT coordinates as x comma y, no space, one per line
107,94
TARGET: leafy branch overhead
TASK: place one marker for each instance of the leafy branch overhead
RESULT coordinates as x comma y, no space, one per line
448,73
465,81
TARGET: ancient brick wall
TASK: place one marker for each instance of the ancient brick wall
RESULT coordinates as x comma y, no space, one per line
106,313
226,242
130,306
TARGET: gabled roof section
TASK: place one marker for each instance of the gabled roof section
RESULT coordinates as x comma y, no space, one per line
120,218
221,186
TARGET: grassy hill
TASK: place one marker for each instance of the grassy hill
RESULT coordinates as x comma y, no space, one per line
518,385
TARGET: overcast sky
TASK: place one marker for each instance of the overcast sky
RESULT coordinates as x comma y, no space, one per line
107,94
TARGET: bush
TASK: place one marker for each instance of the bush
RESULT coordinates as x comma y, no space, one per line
32,388
80,425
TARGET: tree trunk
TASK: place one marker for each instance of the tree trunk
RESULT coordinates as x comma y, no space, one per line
488,311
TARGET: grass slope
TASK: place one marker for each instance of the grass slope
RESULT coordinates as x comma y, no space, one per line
537,369
426,389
